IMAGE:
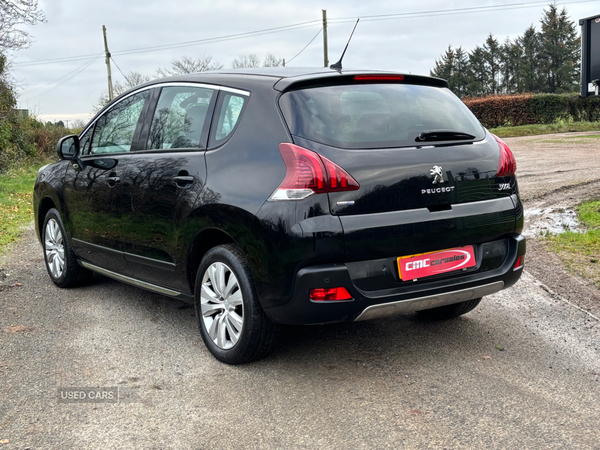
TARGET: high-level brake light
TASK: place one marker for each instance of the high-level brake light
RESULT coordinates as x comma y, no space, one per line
309,173
507,165
379,78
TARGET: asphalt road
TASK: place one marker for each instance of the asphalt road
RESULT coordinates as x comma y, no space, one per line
521,371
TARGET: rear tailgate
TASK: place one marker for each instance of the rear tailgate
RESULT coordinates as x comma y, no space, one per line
426,168
403,207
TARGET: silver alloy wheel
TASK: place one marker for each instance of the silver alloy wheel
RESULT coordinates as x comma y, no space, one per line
54,248
222,305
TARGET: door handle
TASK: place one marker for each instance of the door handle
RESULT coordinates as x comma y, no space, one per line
182,180
112,179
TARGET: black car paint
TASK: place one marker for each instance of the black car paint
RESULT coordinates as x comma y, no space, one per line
227,202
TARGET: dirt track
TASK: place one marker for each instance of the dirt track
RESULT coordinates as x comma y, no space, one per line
521,371
556,172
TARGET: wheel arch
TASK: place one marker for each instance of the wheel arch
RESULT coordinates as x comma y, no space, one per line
200,245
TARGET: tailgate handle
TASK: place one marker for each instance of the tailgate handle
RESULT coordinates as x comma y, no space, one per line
438,208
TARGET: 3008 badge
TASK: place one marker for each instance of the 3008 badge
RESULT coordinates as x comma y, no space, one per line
434,263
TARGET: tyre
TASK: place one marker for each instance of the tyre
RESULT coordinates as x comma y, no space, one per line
232,323
449,311
60,260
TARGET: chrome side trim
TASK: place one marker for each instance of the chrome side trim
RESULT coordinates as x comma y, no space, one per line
431,301
166,84
132,281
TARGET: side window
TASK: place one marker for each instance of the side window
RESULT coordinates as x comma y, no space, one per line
179,118
229,115
114,130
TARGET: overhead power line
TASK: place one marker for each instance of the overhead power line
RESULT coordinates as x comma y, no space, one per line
310,42
454,11
177,45
74,73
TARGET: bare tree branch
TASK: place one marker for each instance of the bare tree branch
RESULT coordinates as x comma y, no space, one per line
14,13
189,65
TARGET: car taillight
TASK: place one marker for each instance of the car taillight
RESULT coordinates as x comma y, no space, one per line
329,294
309,173
507,165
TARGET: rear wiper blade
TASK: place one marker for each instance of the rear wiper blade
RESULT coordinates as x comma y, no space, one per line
443,135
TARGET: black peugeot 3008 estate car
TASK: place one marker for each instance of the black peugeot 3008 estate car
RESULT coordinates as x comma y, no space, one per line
286,196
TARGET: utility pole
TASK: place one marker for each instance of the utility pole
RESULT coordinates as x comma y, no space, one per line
325,55
110,88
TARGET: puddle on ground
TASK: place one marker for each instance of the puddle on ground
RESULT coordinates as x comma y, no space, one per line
540,221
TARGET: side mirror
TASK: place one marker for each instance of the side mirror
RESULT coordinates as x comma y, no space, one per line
68,147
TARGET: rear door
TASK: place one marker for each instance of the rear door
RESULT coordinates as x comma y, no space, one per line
163,181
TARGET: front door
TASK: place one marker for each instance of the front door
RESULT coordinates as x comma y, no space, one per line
93,185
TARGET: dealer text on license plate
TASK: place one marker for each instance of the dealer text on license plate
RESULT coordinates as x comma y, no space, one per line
434,263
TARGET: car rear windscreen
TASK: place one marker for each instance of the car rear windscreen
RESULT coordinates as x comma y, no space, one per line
376,115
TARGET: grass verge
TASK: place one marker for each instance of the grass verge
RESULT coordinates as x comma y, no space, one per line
581,251
532,130
16,209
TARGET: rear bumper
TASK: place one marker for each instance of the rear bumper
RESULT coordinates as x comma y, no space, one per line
369,304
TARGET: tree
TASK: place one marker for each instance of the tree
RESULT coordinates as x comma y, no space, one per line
529,78
14,13
132,79
444,68
560,51
272,61
452,67
246,61
511,56
478,75
189,65
491,56
7,94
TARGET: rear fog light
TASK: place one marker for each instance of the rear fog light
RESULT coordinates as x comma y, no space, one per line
329,294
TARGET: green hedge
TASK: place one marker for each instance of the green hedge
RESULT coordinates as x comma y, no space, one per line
527,109
23,139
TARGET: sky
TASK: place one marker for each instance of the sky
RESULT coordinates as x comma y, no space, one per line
405,36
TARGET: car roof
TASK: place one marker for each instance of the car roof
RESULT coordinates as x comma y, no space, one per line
285,78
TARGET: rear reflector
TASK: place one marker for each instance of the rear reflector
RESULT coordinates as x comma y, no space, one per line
329,294
379,78
309,173
507,165
520,262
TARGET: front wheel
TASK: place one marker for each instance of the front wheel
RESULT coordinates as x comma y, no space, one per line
60,260
232,323
449,311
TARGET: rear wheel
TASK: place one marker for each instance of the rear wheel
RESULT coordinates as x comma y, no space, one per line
232,323
449,311
60,260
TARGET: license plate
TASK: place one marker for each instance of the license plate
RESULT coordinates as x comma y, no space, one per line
434,263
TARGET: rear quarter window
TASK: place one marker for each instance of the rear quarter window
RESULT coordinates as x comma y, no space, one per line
230,109
375,115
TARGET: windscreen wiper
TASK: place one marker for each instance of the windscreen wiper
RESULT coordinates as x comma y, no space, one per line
443,135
